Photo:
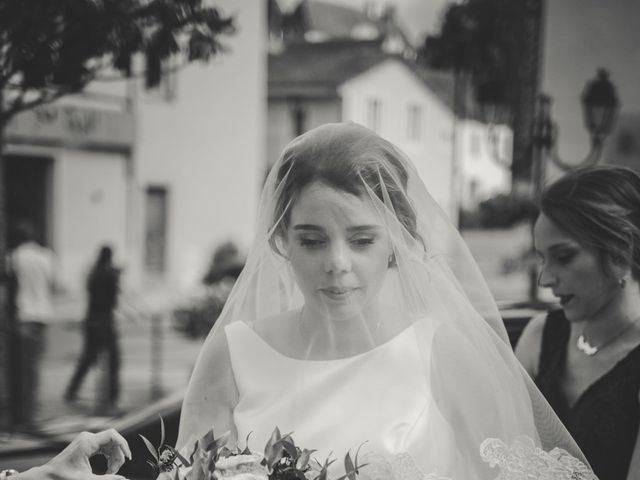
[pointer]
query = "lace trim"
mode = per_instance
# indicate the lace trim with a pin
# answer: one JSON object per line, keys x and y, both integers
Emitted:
{"x": 521, "y": 460}
{"x": 524, "y": 460}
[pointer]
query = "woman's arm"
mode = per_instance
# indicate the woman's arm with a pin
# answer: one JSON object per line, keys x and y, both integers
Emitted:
{"x": 211, "y": 395}
{"x": 634, "y": 465}
{"x": 530, "y": 344}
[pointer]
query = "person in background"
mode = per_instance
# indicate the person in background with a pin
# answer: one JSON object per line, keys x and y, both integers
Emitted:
{"x": 33, "y": 268}
{"x": 585, "y": 356}
{"x": 73, "y": 462}
{"x": 100, "y": 334}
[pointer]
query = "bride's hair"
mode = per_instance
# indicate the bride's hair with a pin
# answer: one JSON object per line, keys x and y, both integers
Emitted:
{"x": 347, "y": 161}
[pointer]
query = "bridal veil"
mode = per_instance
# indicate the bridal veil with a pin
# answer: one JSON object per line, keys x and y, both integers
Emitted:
{"x": 432, "y": 289}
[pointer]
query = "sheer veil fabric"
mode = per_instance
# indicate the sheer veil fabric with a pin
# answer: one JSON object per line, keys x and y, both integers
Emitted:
{"x": 428, "y": 320}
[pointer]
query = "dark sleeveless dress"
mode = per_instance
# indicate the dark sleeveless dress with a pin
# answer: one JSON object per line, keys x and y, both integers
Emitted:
{"x": 604, "y": 419}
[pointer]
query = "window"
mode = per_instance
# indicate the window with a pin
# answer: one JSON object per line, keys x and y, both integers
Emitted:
{"x": 414, "y": 123}
{"x": 474, "y": 145}
{"x": 155, "y": 245}
{"x": 374, "y": 114}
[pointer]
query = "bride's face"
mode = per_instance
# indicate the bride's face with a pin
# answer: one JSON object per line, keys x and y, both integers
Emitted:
{"x": 339, "y": 251}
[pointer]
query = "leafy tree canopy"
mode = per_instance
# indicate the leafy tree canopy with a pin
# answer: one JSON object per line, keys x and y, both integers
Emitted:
{"x": 484, "y": 39}
{"x": 50, "y": 48}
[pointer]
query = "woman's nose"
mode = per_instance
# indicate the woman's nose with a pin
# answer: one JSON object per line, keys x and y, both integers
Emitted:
{"x": 546, "y": 278}
{"x": 337, "y": 259}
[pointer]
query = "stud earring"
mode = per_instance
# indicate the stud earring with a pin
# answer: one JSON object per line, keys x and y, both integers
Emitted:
{"x": 622, "y": 282}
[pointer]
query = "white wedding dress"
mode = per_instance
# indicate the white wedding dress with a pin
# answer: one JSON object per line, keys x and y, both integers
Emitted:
{"x": 335, "y": 406}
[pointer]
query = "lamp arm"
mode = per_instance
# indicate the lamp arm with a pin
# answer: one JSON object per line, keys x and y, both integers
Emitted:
{"x": 494, "y": 137}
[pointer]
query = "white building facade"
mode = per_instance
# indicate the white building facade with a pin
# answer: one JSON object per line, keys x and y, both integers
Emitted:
{"x": 164, "y": 176}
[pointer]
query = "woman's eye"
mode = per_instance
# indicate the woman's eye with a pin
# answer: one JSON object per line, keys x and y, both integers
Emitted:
{"x": 311, "y": 242}
{"x": 564, "y": 258}
{"x": 363, "y": 241}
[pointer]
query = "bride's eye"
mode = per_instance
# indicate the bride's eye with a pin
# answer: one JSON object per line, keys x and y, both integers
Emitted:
{"x": 311, "y": 242}
{"x": 363, "y": 241}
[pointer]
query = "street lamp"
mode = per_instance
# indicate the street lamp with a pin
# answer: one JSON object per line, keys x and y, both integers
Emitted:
{"x": 600, "y": 108}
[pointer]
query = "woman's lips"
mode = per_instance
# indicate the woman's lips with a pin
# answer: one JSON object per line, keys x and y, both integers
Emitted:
{"x": 564, "y": 299}
{"x": 337, "y": 293}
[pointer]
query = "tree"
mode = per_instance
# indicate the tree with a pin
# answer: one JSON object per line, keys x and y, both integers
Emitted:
{"x": 480, "y": 38}
{"x": 53, "y": 48}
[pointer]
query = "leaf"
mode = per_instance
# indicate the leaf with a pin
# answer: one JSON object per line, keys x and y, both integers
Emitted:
{"x": 195, "y": 449}
{"x": 356, "y": 457}
{"x": 153, "y": 465}
{"x": 150, "y": 447}
{"x": 349, "y": 468}
{"x": 162, "y": 432}
{"x": 290, "y": 448}
{"x": 303, "y": 459}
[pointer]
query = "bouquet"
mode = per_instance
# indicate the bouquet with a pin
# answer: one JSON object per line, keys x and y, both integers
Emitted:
{"x": 211, "y": 459}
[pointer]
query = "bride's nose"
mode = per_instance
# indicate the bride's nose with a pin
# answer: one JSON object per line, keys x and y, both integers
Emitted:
{"x": 337, "y": 259}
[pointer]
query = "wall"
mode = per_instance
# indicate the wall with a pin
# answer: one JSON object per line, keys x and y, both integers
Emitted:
{"x": 280, "y": 123}
{"x": 89, "y": 210}
{"x": 397, "y": 87}
{"x": 206, "y": 145}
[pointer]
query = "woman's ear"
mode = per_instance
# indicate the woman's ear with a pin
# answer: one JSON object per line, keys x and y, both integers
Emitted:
{"x": 618, "y": 268}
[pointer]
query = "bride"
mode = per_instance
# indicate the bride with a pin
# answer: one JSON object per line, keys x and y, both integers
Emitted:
{"x": 361, "y": 318}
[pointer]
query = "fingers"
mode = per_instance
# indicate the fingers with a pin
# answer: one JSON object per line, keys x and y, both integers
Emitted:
{"x": 114, "y": 447}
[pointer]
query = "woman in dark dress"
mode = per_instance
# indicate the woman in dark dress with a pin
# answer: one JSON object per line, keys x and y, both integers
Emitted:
{"x": 585, "y": 356}
{"x": 100, "y": 331}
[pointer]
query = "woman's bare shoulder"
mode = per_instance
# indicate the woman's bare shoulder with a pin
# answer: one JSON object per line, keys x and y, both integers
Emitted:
{"x": 530, "y": 343}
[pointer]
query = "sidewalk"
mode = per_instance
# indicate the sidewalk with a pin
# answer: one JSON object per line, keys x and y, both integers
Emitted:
{"x": 156, "y": 361}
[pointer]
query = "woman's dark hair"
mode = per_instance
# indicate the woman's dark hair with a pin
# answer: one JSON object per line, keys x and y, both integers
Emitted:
{"x": 344, "y": 157}
{"x": 599, "y": 207}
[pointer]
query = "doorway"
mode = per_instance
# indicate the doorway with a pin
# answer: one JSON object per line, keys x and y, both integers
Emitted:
{"x": 28, "y": 193}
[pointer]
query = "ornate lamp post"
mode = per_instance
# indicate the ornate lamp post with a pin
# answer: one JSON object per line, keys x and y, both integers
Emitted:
{"x": 600, "y": 107}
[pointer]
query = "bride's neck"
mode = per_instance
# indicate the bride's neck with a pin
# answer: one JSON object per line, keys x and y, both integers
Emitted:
{"x": 342, "y": 336}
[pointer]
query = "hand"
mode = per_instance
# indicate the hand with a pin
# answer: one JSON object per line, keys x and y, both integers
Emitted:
{"x": 73, "y": 462}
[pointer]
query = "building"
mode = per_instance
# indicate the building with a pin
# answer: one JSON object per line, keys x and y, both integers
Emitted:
{"x": 152, "y": 172}
{"x": 329, "y": 62}
{"x": 315, "y": 83}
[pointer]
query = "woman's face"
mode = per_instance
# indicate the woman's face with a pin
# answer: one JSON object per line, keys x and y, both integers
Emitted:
{"x": 339, "y": 251}
{"x": 573, "y": 272}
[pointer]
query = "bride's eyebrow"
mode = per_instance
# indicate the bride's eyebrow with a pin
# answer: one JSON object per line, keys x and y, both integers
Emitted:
{"x": 364, "y": 228}
{"x": 308, "y": 226}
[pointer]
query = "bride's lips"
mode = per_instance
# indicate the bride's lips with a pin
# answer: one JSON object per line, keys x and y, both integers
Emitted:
{"x": 337, "y": 293}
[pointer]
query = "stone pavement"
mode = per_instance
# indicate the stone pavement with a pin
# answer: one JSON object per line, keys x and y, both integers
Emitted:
{"x": 156, "y": 361}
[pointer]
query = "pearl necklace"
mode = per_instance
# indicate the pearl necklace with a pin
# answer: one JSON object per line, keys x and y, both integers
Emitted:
{"x": 590, "y": 350}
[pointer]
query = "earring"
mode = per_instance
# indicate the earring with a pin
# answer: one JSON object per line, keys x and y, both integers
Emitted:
{"x": 392, "y": 260}
{"x": 622, "y": 282}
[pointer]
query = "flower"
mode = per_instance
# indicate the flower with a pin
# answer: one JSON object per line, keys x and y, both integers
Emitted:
{"x": 211, "y": 459}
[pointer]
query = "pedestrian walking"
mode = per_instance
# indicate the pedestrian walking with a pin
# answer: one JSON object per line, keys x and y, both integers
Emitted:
{"x": 100, "y": 333}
